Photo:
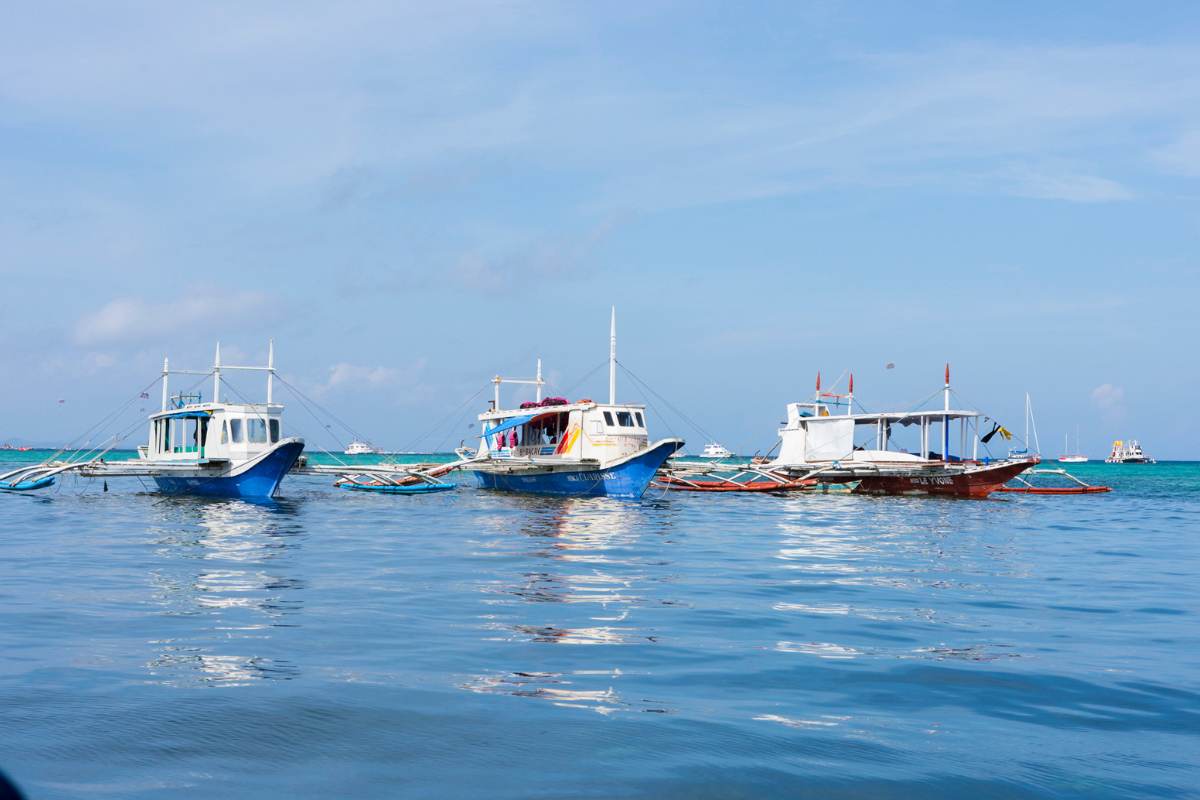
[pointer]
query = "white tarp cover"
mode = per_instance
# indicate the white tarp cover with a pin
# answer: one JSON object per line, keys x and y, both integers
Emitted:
{"x": 829, "y": 439}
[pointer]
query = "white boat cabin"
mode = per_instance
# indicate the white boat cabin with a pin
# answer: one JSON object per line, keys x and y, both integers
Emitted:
{"x": 559, "y": 430}
{"x": 193, "y": 430}
{"x": 825, "y": 430}
{"x": 189, "y": 430}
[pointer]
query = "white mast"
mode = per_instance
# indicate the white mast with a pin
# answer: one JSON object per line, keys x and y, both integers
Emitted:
{"x": 217, "y": 375}
{"x": 945, "y": 418}
{"x": 538, "y": 382}
{"x": 166, "y": 380}
{"x": 612, "y": 359}
{"x": 270, "y": 368}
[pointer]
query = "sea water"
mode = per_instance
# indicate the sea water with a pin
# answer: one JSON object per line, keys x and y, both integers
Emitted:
{"x": 475, "y": 644}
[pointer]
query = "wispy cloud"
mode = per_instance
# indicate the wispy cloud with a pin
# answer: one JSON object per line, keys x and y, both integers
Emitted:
{"x": 1109, "y": 398}
{"x": 347, "y": 376}
{"x": 136, "y": 319}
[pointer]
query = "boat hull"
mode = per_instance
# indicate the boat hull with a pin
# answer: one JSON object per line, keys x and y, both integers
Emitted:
{"x": 974, "y": 483}
{"x": 256, "y": 481}
{"x": 626, "y": 479}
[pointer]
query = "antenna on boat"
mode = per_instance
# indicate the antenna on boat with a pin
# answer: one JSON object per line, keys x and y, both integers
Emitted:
{"x": 817, "y": 396}
{"x": 166, "y": 380}
{"x": 270, "y": 368}
{"x": 612, "y": 359}
{"x": 850, "y": 397}
{"x": 217, "y": 375}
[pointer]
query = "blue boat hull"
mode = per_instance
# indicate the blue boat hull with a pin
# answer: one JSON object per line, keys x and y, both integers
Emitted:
{"x": 258, "y": 482}
{"x": 627, "y": 479}
{"x": 27, "y": 486}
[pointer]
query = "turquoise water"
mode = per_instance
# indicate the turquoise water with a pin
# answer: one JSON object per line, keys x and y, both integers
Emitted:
{"x": 469, "y": 644}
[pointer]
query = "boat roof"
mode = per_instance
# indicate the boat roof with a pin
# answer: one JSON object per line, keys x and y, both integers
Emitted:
{"x": 193, "y": 410}
{"x": 900, "y": 417}
{"x": 537, "y": 411}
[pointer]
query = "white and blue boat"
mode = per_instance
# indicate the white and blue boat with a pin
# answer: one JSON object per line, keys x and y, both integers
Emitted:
{"x": 577, "y": 449}
{"x": 194, "y": 447}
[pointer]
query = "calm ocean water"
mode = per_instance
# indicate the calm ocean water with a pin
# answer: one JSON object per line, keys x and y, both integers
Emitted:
{"x": 469, "y": 644}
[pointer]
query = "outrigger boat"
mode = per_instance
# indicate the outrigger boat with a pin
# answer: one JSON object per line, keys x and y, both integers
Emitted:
{"x": 213, "y": 449}
{"x": 817, "y": 449}
{"x": 554, "y": 447}
{"x": 816, "y": 442}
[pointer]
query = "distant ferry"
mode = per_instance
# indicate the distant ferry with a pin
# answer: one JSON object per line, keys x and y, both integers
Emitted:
{"x": 360, "y": 448}
{"x": 715, "y": 450}
{"x": 1128, "y": 453}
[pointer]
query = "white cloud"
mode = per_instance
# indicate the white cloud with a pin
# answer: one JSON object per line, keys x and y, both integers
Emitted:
{"x": 345, "y": 375}
{"x": 1182, "y": 156}
{"x": 127, "y": 319}
{"x": 1109, "y": 398}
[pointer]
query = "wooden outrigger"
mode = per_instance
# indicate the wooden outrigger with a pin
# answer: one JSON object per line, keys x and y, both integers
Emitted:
{"x": 1027, "y": 487}
{"x": 388, "y": 478}
{"x": 705, "y": 477}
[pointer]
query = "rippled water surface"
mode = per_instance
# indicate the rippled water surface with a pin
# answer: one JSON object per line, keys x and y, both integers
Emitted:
{"x": 471, "y": 644}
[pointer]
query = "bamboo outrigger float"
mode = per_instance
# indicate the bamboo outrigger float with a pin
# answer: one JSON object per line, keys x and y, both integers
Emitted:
{"x": 1025, "y": 486}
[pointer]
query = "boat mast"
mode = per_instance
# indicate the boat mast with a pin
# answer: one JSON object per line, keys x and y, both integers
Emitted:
{"x": 166, "y": 380}
{"x": 850, "y": 397}
{"x": 946, "y": 417}
{"x": 538, "y": 382}
{"x": 612, "y": 359}
{"x": 217, "y": 375}
{"x": 270, "y": 368}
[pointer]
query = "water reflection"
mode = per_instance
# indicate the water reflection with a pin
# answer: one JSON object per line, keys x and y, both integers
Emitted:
{"x": 915, "y": 568}
{"x": 225, "y": 576}
{"x": 560, "y": 689}
{"x": 580, "y": 575}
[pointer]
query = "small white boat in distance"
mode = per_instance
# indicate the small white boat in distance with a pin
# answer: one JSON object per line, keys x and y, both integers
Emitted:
{"x": 715, "y": 450}
{"x": 360, "y": 448}
{"x": 1069, "y": 457}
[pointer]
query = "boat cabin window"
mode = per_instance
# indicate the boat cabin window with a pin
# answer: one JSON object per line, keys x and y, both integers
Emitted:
{"x": 625, "y": 418}
{"x": 256, "y": 429}
{"x": 235, "y": 431}
{"x": 641, "y": 422}
{"x": 608, "y": 420}
{"x": 274, "y": 430}
{"x": 225, "y": 432}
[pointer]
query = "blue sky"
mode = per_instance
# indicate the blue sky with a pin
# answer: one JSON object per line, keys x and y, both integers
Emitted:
{"x": 410, "y": 199}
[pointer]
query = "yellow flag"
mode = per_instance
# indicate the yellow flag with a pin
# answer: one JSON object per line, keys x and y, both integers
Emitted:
{"x": 1005, "y": 432}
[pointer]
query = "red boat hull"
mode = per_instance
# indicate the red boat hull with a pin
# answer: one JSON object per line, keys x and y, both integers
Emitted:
{"x": 977, "y": 483}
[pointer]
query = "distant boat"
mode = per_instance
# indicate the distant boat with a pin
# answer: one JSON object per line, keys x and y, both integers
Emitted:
{"x": 715, "y": 450}
{"x": 1128, "y": 453}
{"x": 1072, "y": 458}
{"x": 360, "y": 448}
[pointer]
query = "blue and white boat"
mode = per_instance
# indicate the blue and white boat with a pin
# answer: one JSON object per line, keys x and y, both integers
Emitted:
{"x": 577, "y": 449}
{"x": 212, "y": 449}
{"x": 215, "y": 448}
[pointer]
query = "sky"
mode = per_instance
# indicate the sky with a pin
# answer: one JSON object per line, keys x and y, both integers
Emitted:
{"x": 411, "y": 198}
